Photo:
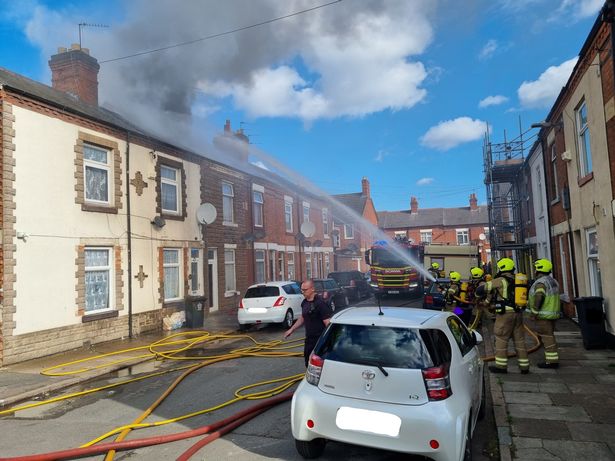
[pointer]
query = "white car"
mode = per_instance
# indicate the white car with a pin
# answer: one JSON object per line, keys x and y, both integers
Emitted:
{"x": 271, "y": 302}
{"x": 407, "y": 380}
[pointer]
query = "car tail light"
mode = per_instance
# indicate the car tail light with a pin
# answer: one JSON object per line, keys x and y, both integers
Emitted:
{"x": 241, "y": 304}
{"x": 279, "y": 302}
{"x": 428, "y": 299}
{"x": 312, "y": 375}
{"x": 437, "y": 382}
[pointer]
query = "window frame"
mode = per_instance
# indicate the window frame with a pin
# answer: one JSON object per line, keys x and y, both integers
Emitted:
{"x": 583, "y": 140}
{"x": 423, "y": 233}
{"x": 290, "y": 265}
{"x": 325, "y": 222}
{"x": 230, "y": 284}
{"x": 228, "y": 200}
{"x": 288, "y": 215}
{"x": 93, "y": 164}
{"x": 258, "y": 214}
{"x": 308, "y": 265}
{"x": 170, "y": 182}
{"x": 259, "y": 261}
{"x": 554, "y": 189}
{"x": 462, "y": 232}
{"x": 306, "y": 212}
{"x": 179, "y": 265}
{"x": 348, "y": 235}
{"x": 110, "y": 277}
{"x": 593, "y": 262}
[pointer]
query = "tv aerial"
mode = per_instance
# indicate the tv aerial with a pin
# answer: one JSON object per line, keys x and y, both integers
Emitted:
{"x": 86, "y": 24}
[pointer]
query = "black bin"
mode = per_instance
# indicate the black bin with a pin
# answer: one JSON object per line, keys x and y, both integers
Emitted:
{"x": 591, "y": 321}
{"x": 195, "y": 311}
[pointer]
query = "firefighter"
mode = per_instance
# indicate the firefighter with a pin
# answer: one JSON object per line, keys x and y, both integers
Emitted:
{"x": 544, "y": 306}
{"x": 509, "y": 317}
{"x": 456, "y": 298}
{"x": 434, "y": 270}
{"x": 477, "y": 278}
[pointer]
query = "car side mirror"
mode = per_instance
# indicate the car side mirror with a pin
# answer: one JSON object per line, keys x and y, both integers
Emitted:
{"x": 478, "y": 338}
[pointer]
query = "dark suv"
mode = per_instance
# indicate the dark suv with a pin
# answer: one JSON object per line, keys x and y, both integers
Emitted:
{"x": 354, "y": 283}
{"x": 331, "y": 292}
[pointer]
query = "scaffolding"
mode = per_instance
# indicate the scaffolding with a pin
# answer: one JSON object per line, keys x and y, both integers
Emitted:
{"x": 503, "y": 166}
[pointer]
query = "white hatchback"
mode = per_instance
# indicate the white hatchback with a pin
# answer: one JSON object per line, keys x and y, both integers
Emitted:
{"x": 271, "y": 302}
{"x": 407, "y": 380}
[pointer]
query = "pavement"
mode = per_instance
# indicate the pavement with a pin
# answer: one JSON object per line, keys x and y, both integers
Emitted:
{"x": 564, "y": 414}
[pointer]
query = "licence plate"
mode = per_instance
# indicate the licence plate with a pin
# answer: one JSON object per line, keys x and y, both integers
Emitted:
{"x": 257, "y": 310}
{"x": 375, "y": 422}
{"x": 394, "y": 292}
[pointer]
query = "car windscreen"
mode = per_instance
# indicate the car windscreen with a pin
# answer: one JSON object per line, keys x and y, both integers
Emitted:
{"x": 342, "y": 278}
{"x": 409, "y": 348}
{"x": 262, "y": 292}
{"x": 318, "y": 286}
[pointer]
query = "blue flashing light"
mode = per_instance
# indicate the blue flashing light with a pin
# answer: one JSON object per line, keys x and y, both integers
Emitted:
{"x": 381, "y": 242}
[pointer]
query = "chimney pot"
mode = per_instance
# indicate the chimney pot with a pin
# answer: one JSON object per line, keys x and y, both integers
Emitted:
{"x": 365, "y": 189}
{"x": 75, "y": 46}
{"x": 61, "y": 49}
{"x": 414, "y": 205}
{"x": 76, "y": 72}
{"x": 473, "y": 202}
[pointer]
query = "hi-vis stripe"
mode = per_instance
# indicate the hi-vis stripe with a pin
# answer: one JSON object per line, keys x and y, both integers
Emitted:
{"x": 551, "y": 356}
{"x": 501, "y": 362}
{"x": 524, "y": 363}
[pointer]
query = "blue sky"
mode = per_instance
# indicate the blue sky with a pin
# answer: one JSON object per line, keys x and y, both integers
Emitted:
{"x": 399, "y": 91}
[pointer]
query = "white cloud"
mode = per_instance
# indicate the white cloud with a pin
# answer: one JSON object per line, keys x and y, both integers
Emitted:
{"x": 492, "y": 101}
{"x": 488, "y": 50}
{"x": 542, "y": 93}
{"x": 381, "y": 155}
{"x": 424, "y": 181}
{"x": 260, "y": 164}
{"x": 451, "y": 133}
{"x": 577, "y": 9}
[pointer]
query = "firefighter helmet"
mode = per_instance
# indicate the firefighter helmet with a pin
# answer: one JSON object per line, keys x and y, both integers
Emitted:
{"x": 455, "y": 276}
{"x": 543, "y": 265}
{"x": 435, "y": 266}
{"x": 506, "y": 265}
{"x": 477, "y": 273}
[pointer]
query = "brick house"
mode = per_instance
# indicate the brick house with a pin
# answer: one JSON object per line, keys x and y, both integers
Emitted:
{"x": 99, "y": 229}
{"x": 441, "y": 226}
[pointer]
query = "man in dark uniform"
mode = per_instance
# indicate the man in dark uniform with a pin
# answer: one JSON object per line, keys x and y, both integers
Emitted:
{"x": 315, "y": 314}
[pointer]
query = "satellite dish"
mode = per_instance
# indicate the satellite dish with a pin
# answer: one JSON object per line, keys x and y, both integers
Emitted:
{"x": 206, "y": 213}
{"x": 482, "y": 237}
{"x": 159, "y": 221}
{"x": 308, "y": 228}
{"x": 248, "y": 237}
{"x": 299, "y": 236}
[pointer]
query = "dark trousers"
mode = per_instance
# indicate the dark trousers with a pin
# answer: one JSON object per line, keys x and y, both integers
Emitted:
{"x": 310, "y": 342}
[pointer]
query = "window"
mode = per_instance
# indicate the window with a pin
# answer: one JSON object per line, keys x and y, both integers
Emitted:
{"x": 593, "y": 262}
{"x": 230, "y": 285}
{"x": 259, "y": 259}
{"x": 348, "y": 231}
{"x": 96, "y": 172}
{"x": 280, "y": 265}
{"x": 583, "y": 139}
{"x": 336, "y": 239}
{"x": 327, "y": 264}
{"x": 169, "y": 187}
{"x": 401, "y": 234}
{"x": 257, "y": 207}
{"x": 196, "y": 271}
{"x": 291, "y": 266}
{"x": 97, "y": 279}
{"x": 462, "y": 237}
{"x": 228, "y": 207}
{"x": 554, "y": 187}
{"x": 171, "y": 267}
{"x": 308, "y": 265}
{"x": 325, "y": 222}
{"x": 271, "y": 265}
{"x": 306, "y": 211}
{"x": 288, "y": 215}
{"x": 426, "y": 236}
{"x": 462, "y": 336}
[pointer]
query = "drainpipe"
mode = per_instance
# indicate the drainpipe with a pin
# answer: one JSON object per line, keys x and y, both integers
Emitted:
{"x": 128, "y": 227}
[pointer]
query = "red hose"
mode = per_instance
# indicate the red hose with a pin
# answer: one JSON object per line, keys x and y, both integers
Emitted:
{"x": 157, "y": 440}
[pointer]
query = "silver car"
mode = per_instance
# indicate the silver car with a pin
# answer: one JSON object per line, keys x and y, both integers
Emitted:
{"x": 407, "y": 380}
{"x": 271, "y": 302}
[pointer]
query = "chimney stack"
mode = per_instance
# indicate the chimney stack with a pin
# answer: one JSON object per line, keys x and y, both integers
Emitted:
{"x": 74, "y": 71}
{"x": 414, "y": 205}
{"x": 365, "y": 187}
{"x": 234, "y": 144}
{"x": 473, "y": 202}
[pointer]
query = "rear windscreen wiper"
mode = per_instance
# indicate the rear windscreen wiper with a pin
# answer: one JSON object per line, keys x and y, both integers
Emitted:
{"x": 380, "y": 367}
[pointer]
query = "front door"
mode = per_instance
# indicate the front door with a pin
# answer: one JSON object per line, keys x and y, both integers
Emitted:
{"x": 212, "y": 273}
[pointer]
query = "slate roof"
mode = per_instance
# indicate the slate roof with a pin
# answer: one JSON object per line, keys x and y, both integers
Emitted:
{"x": 433, "y": 217}
{"x": 356, "y": 202}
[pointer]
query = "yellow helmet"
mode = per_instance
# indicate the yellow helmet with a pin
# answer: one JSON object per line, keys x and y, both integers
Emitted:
{"x": 477, "y": 273}
{"x": 435, "y": 266}
{"x": 455, "y": 276}
{"x": 506, "y": 265}
{"x": 543, "y": 265}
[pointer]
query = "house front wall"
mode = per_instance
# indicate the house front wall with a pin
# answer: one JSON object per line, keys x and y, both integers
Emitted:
{"x": 591, "y": 195}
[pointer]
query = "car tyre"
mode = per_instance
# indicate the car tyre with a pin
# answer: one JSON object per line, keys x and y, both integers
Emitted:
{"x": 467, "y": 451}
{"x": 483, "y": 402}
{"x": 288, "y": 319}
{"x": 310, "y": 449}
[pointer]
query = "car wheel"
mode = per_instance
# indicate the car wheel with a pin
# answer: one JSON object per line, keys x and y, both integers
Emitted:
{"x": 483, "y": 402}
{"x": 310, "y": 449}
{"x": 288, "y": 319}
{"x": 467, "y": 452}
{"x": 332, "y": 305}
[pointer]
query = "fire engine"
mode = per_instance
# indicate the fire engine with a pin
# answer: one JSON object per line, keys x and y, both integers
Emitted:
{"x": 393, "y": 266}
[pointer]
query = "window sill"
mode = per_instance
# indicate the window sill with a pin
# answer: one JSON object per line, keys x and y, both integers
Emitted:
{"x": 230, "y": 224}
{"x": 99, "y": 316}
{"x": 585, "y": 179}
{"x": 173, "y": 303}
{"x": 98, "y": 208}
{"x": 230, "y": 294}
{"x": 173, "y": 217}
